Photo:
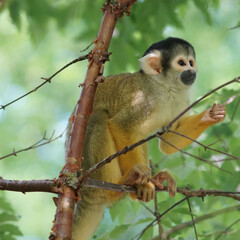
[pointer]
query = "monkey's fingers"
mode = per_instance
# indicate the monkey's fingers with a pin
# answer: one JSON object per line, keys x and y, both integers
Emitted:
{"x": 162, "y": 176}
{"x": 146, "y": 192}
{"x": 214, "y": 114}
{"x": 139, "y": 174}
{"x": 172, "y": 187}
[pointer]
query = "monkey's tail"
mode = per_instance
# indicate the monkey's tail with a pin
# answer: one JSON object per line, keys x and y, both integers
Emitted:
{"x": 88, "y": 214}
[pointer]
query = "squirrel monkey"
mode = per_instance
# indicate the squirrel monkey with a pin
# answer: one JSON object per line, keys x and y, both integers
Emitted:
{"x": 127, "y": 108}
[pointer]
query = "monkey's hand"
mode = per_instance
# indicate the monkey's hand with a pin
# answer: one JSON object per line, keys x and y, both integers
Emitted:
{"x": 145, "y": 192}
{"x": 139, "y": 175}
{"x": 216, "y": 113}
{"x": 163, "y": 175}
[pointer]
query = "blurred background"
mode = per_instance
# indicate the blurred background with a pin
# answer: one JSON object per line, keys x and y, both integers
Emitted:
{"x": 38, "y": 37}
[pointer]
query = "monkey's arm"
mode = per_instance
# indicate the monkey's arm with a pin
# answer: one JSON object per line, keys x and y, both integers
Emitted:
{"x": 192, "y": 127}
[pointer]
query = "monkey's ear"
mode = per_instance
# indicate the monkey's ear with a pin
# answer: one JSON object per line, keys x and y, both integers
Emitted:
{"x": 151, "y": 63}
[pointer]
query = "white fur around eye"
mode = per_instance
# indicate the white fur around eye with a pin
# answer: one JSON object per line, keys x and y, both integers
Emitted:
{"x": 150, "y": 63}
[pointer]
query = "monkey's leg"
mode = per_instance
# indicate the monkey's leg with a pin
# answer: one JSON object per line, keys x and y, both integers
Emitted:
{"x": 192, "y": 127}
{"x": 98, "y": 145}
{"x": 133, "y": 164}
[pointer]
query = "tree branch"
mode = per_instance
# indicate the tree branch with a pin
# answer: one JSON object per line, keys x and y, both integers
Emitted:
{"x": 39, "y": 143}
{"x": 93, "y": 183}
{"x": 54, "y": 186}
{"x": 205, "y": 146}
{"x": 47, "y": 80}
{"x": 47, "y": 185}
{"x": 62, "y": 228}
{"x": 194, "y": 156}
{"x": 193, "y": 221}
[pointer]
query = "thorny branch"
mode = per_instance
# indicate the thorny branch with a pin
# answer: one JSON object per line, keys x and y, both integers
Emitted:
{"x": 32, "y": 186}
{"x": 47, "y": 80}
{"x": 93, "y": 183}
{"x": 50, "y": 186}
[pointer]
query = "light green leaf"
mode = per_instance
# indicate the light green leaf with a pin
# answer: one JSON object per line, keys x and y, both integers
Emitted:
{"x": 118, "y": 231}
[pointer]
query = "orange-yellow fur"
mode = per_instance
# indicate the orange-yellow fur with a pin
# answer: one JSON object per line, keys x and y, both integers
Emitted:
{"x": 192, "y": 127}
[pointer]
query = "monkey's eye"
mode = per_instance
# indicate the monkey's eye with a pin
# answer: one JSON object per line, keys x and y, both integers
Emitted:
{"x": 191, "y": 63}
{"x": 181, "y": 63}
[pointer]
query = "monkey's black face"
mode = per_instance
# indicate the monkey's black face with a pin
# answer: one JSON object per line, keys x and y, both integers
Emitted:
{"x": 188, "y": 76}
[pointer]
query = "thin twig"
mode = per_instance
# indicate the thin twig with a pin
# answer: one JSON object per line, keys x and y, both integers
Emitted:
{"x": 194, "y": 156}
{"x": 93, "y": 183}
{"x": 47, "y": 80}
{"x": 235, "y": 109}
{"x": 158, "y": 218}
{"x": 39, "y": 143}
{"x": 203, "y": 97}
{"x": 139, "y": 235}
{"x": 200, "y": 219}
{"x": 173, "y": 206}
{"x": 205, "y": 146}
{"x": 86, "y": 48}
{"x": 193, "y": 222}
{"x": 145, "y": 206}
{"x": 226, "y": 229}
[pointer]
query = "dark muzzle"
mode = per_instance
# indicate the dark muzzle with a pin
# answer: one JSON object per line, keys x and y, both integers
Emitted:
{"x": 188, "y": 77}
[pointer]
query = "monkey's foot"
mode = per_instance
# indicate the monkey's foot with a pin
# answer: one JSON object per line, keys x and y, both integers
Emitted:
{"x": 138, "y": 175}
{"x": 145, "y": 192}
{"x": 214, "y": 114}
{"x": 163, "y": 175}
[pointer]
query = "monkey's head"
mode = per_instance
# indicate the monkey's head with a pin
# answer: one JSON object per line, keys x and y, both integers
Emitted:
{"x": 173, "y": 58}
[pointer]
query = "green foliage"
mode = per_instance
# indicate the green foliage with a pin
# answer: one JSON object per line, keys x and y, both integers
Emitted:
{"x": 118, "y": 231}
{"x": 147, "y": 22}
{"x": 8, "y": 229}
{"x": 59, "y": 29}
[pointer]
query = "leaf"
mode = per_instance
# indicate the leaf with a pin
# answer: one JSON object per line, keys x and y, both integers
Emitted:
{"x": 203, "y": 7}
{"x": 4, "y": 217}
{"x": 14, "y": 12}
{"x": 122, "y": 209}
{"x": 175, "y": 217}
{"x": 167, "y": 222}
{"x": 118, "y": 231}
{"x": 181, "y": 210}
{"x": 148, "y": 234}
{"x": 9, "y": 228}
{"x": 144, "y": 220}
{"x": 6, "y": 206}
{"x": 102, "y": 237}
{"x": 164, "y": 205}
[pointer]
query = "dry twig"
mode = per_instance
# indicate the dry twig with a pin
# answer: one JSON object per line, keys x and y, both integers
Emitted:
{"x": 39, "y": 143}
{"x": 47, "y": 80}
